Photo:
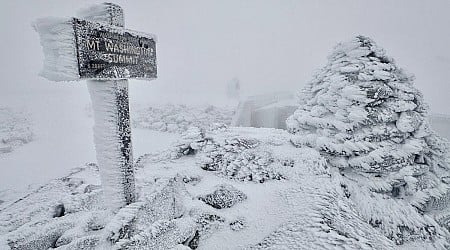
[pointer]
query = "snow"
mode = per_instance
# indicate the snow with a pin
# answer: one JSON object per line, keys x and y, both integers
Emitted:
{"x": 177, "y": 118}
{"x": 307, "y": 209}
{"x": 107, "y": 13}
{"x": 58, "y": 42}
{"x": 16, "y": 129}
{"x": 441, "y": 124}
{"x": 30, "y": 165}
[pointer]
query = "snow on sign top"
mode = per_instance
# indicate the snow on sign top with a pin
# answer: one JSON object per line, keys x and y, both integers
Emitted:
{"x": 77, "y": 49}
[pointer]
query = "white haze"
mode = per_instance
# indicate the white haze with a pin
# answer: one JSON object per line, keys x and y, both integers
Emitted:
{"x": 268, "y": 45}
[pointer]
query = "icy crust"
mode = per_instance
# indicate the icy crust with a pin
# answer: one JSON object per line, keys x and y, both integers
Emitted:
{"x": 177, "y": 118}
{"x": 111, "y": 15}
{"x": 401, "y": 220}
{"x": 15, "y": 129}
{"x": 363, "y": 114}
{"x": 107, "y": 13}
{"x": 323, "y": 220}
{"x": 57, "y": 38}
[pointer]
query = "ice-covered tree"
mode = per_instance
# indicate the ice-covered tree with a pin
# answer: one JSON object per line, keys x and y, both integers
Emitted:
{"x": 362, "y": 112}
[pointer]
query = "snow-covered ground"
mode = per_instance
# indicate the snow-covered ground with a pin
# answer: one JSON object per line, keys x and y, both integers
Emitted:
{"x": 177, "y": 118}
{"x": 441, "y": 124}
{"x": 35, "y": 158}
{"x": 272, "y": 196}
{"x": 15, "y": 129}
{"x": 48, "y": 150}
{"x": 291, "y": 213}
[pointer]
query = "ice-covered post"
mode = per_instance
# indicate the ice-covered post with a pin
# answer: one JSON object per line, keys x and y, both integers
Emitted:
{"x": 112, "y": 132}
{"x": 96, "y": 47}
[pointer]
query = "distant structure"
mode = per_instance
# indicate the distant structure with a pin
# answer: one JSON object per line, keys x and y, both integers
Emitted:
{"x": 233, "y": 89}
{"x": 265, "y": 111}
{"x": 272, "y": 110}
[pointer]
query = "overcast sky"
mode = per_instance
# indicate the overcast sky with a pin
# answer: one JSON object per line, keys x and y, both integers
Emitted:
{"x": 269, "y": 45}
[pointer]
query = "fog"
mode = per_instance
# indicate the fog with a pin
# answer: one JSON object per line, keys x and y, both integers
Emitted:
{"x": 268, "y": 45}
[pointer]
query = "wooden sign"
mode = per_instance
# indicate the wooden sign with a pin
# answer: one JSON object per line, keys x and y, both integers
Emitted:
{"x": 95, "y": 47}
{"x": 108, "y": 52}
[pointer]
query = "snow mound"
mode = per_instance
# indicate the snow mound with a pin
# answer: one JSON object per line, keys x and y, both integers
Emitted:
{"x": 190, "y": 142}
{"x": 363, "y": 114}
{"x": 15, "y": 129}
{"x": 177, "y": 118}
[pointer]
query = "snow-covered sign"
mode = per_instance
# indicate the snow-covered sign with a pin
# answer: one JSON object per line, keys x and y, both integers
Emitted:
{"x": 96, "y": 47}
{"x": 106, "y": 51}
{"x": 77, "y": 49}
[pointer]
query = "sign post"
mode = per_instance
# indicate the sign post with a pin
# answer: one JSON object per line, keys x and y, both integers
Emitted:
{"x": 97, "y": 48}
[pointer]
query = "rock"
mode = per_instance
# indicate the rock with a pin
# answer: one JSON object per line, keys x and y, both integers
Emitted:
{"x": 181, "y": 247}
{"x": 238, "y": 224}
{"x": 59, "y": 211}
{"x": 90, "y": 187}
{"x": 6, "y": 149}
{"x": 207, "y": 223}
{"x": 194, "y": 241}
{"x": 409, "y": 121}
{"x": 190, "y": 179}
{"x": 225, "y": 196}
{"x": 163, "y": 234}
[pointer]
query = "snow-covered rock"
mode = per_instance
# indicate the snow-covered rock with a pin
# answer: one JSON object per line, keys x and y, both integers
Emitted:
{"x": 363, "y": 114}
{"x": 224, "y": 196}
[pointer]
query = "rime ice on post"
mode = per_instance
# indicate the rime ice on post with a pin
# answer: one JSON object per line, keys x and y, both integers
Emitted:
{"x": 98, "y": 48}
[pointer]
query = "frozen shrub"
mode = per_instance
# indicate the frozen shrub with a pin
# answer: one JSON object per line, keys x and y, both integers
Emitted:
{"x": 245, "y": 159}
{"x": 224, "y": 196}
